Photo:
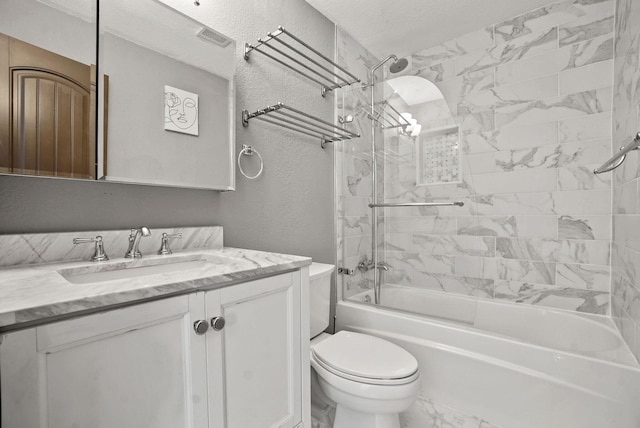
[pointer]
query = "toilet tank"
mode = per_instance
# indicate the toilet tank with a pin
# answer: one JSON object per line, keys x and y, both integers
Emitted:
{"x": 319, "y": 296}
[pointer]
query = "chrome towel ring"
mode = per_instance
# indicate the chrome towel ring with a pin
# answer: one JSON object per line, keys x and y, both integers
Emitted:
{"x": 249, "y": 151}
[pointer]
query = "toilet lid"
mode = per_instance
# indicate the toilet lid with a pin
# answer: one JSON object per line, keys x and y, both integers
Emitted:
{"x": 365, "y": 356}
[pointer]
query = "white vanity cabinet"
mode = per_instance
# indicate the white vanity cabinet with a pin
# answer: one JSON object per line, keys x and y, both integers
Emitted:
{"x": 145, "y": 365}
{"x": 131, "y": 367}
{"x": 257, "y": 360}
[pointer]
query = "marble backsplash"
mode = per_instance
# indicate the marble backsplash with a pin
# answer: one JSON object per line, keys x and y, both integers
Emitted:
{"x": 56, "y": 247}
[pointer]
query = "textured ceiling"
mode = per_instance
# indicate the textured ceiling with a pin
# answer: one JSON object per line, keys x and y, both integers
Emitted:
{"x": 408, "y": 26}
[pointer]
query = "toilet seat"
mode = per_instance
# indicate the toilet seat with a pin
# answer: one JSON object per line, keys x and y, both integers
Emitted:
{"x": 365, "y": 359}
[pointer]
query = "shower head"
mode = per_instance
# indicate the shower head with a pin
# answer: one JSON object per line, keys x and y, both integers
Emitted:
{"x": 381, "y": 63}
{"x": 398, "y": 65}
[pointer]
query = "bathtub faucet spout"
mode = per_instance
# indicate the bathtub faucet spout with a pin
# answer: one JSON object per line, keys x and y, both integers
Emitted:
{"x": 366, "y": 265}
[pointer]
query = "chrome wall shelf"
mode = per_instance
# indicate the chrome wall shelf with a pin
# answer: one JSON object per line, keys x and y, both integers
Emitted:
{"x": 296, "y": 120}
{"x": 306, "y": 60}
{"x": 617, "y": 159}
{"x": 388, "y": 120}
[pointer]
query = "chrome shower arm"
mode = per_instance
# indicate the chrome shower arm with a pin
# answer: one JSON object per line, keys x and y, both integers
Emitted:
{"x": 377, "y": 66}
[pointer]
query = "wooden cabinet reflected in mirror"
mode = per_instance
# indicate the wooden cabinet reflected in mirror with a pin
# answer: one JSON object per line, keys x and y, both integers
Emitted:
{"x": 50, "y": 102}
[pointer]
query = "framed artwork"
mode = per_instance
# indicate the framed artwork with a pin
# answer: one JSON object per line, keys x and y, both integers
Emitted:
{"x": 180, "y": 111}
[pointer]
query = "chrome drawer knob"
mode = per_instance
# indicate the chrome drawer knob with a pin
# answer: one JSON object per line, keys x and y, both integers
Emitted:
{"x": 217, "y": 323}
{"x": 200, "y": 327}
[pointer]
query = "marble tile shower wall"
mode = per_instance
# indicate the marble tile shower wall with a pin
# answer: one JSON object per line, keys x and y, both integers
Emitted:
{"x": 626, "y": 179}
{"x": 533, "y": 99}
{"x": 353, "y": 169}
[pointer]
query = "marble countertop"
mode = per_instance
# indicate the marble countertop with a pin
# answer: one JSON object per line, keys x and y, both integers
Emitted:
{"x": 39, "y": 293}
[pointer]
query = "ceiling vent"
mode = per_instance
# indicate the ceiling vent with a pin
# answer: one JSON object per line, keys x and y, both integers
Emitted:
{"x": 208, "y": 35}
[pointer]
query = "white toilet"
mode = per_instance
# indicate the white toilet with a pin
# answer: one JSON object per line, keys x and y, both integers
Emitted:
{"x": 368, "y": 379}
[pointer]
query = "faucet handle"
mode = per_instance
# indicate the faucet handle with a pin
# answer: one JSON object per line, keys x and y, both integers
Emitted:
{"x": 99, "y": 255}
{"x": 164, "y": 246}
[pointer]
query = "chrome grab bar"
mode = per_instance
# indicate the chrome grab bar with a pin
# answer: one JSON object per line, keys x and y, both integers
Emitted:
{"x": 617, "y": 159}
{"x": 418, "y": 204}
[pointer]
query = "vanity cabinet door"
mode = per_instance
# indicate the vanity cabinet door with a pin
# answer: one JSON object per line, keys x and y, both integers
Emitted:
{"x": 141, "y": 366}
{"x": 256, "y": 360}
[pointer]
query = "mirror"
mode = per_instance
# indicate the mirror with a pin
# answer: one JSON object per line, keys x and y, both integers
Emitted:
{"x": 433, "y": 136}
{"x": 47, "y": 89}
{"x": 165, "y": 98}
{"x": 170, "y": 115}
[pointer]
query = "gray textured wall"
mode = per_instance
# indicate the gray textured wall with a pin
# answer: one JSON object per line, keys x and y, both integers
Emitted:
{"x": 289, "y": 209}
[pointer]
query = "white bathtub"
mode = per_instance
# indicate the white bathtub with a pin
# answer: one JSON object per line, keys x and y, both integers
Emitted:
{"x": 508, "y": 364}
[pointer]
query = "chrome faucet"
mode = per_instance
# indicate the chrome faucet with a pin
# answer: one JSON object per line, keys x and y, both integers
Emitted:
{"x": 134, "y": 242}
{"x": 365, "y": 265}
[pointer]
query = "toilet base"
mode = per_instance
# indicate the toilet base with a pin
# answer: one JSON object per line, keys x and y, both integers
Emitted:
{"x": 348, "y": 418}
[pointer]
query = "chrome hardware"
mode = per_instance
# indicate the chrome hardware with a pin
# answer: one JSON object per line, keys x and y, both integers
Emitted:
{"x": 99, "y": 255}
{"x": 293, "y": 53}
{"x": 418, "y": 204}
{"x": 200, "y": 327}
{"x": 217, "y": 323}
{"x": 250, "y": 151}
{"x": 134, "y": 242}
{"x": 388, "y": 120}
{"x": 346, "y": 271}
{"x": 617, "y": 159}
{"x": 345, "y": 119}
{"x": 375, "y": 67}
{"x": 164, "y": 246}
{"x": 296, "y": 120}
{"x": 366, "y": 265}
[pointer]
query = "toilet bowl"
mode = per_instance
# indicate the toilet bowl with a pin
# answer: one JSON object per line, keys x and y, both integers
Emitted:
{"x": 369, "y": 379}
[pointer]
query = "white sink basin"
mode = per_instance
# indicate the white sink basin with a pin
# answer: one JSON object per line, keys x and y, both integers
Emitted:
{"x": 132, "y": 270}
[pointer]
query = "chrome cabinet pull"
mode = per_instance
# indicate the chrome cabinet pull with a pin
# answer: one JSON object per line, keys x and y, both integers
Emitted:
{"x": 200, "y": 327}
{"x": 217, "y": 323}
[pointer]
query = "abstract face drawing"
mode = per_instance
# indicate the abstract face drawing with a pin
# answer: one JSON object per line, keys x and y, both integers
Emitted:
{"x": 180, "y": 111}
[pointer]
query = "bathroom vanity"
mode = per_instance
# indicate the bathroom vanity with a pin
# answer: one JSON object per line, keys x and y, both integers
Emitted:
{"x": 213, "y": 337}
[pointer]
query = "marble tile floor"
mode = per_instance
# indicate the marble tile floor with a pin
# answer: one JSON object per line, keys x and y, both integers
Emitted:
{"x": 425, "y": 413}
